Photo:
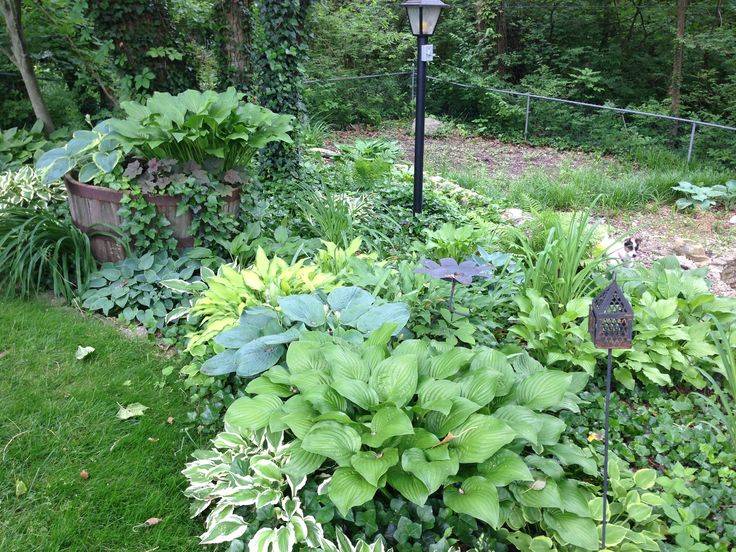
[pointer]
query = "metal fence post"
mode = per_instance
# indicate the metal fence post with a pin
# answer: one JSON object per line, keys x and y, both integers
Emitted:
{"x": 692, "y": 143}
{"x": 526, "y": 119}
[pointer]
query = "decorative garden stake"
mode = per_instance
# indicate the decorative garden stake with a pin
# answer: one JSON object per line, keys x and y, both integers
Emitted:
{"x": 611, "y": 325}
{"x": 423, "y": 17}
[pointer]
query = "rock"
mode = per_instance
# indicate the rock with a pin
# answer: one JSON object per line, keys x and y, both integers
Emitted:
{"x": 728, "y": 274}
{"x": 686, "y": 263}
{"x": 432, "y": 126}
{"x": 732, "y": 220}
{"x": 693, "y": 251}
{"x": 515, "y": 216}
{"x": 325, "y": 152}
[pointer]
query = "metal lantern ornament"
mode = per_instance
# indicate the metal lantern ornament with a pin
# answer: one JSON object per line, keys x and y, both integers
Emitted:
{"x": 423, "y": 17}
{"x": 611, "y": 326}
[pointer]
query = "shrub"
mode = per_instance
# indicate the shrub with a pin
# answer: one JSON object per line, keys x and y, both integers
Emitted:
{"x": 19, "y": 146}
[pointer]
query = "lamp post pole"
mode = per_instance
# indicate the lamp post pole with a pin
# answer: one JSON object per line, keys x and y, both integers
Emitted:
{"x": 419, "y": 127}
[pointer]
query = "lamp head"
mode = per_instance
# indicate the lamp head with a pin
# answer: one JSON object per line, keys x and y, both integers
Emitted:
{"x": 423, "y": 15}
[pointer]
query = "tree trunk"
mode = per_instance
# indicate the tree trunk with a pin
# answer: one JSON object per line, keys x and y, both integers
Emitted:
{"x": 20, "y": 58}
{"x": 502, "y": 37}
{"x": 235, "y": 40}
{"x": 676, "y": 83}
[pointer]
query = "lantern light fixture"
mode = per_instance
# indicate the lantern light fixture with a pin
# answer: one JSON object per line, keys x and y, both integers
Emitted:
{"x": 423, "y": 15}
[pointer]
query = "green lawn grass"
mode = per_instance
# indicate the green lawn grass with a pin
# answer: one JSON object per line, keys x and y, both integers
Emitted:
{"x": 58, "y": 417}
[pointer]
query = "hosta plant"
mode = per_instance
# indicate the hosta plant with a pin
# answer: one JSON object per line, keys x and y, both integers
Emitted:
{"x": 705, "y": 197}
{"x": 258, "y": 341}
{"x": 249, "y": 498}
{"x": 19, "y": 146}
{"x": 467, "y": 425}
{"x": 226, "y": 294}
{"x": 561, "y": 340}
{"x": 25, "y": 188}
{"x": 197, "y": 126}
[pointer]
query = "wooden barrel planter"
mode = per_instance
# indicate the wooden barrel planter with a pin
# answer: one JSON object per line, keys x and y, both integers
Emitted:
{"x": 94, "y": 210}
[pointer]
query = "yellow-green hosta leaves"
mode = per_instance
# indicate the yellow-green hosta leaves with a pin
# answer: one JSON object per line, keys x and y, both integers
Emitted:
{"x": 476, "y": 497}
{"x": 461, "y": 409}
{"x": 542, "y": 493}
{"x": 395, "y": 379}
{"x": 251, "y": 414}
{"x": 333, "y": 440}
{"x": 479, "y": 438}
{"x": 388, "y": 422}
{"x": 301, "y": 462}
{"x": 438, "y": 394}
{"x": 373, "y": 465}
{"x": 544, "y": 389}
{"x": 348, "y": 488}
{"x": 449, "y": 363}
{"x": 357, "y": 392}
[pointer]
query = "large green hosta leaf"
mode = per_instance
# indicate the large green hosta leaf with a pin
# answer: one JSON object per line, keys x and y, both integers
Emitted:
{"x": 539, "y": 494}
{"x": 461, "y": 410}
{"x": 347, "y": 488}
{"x": 357, "y": 392}
{"x": 346, "y": 364}
{"x": 349, "y": 303}
{"x": 480, "y": 437}
{"x": 388, "y": 422}
{"x": 480, "y": 386}
{"x": 251, "y": 414}
{"x": 373, "y": 465}
{"x": 543, "y": 390}
{"x": 476, "y": 497}
{"x": 505, "y": 467}
{"x": 433, "y": 473}
{"x": 522, "y": 420}
{"x": 301, "y": 462}
{"x": 573, "y": 529}
{"x": 409, "y": 486}
{"x": 437, "y": 395}
{"x": 395, "y": 379}
{"x": 332, "y": 439}
{"x": 449, "y": 363}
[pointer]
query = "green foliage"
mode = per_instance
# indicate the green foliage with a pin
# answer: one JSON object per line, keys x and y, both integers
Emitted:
{"x": 330, "y": 217}
{"x": 705, "y": 197}
{"x": 230, "y": 291}
{"x": 24, "y": 188}
{"x": 94, "y": 153}
{"x": 370, "y": 160}
{"x": 406, "y": 420}
{"x": 19, "y": 146}
{"x": 197, "y": 126}
{"x": 454, "y": 243}
{"x": 256, "y": 499}
{"x": 39, "y": 251}
{"x": 132, "y": 291}
{"x": 243, "y": 247}
{"x": 260, "y": 339}
{"x": 556, "y": 340}
{"x": 281, "y": 51}
{"x": 566, "y": 268}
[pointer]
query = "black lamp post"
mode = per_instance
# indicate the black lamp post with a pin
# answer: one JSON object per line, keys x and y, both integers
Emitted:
{"x": 611, "y": 326}
{"x": 423, "y": 17}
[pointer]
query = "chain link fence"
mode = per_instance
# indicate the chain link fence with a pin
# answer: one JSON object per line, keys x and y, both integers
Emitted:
{"x": 518, "y": 115}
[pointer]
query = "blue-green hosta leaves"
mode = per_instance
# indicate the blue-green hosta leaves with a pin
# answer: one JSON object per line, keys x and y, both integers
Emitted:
{"x": 348, "y": 488}
{"x": 480, "y": 437}
{"x": 304, "y": 308}
{"x": 395, "y": 379}
{"x": 350, "y": 303}
{"x": 251, "y": 414}
{"x": 333, "y": 440}
{"x": 388, "y": 422}
{"x": 476, "y": 497}
{"x": 373, "y": 465}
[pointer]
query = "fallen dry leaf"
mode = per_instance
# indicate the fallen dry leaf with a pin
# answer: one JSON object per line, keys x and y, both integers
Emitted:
{"x": 150, "y": 522}
{"x": 83, "y": 352}
{"x": 84, "y": 474}
{"x": 153, "y": 439}
{"x": 3, "y": 353}
{"x": 131, "y": 411}
{"x": 170, "y": 420}
{"x": 594, "y": 437}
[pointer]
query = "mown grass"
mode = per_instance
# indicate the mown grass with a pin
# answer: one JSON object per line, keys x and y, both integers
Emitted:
{"x": 58, "y": 417}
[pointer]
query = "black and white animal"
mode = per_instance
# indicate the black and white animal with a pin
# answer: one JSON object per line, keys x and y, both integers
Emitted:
{"x": 621, "y": 251}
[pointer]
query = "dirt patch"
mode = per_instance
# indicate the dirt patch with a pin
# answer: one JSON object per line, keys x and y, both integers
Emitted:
{"x": 497, "y": 158}
{"x": 659, "y": 230}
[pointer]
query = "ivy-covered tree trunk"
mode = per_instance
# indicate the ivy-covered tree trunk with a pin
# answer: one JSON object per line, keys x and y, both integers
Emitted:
{"x": 679, "y": 56}
{"x": 283, "y": 25}
{"x": 235, "y": 35}
{"x": 142, "y": 31}
{"x": 18, "y": 54}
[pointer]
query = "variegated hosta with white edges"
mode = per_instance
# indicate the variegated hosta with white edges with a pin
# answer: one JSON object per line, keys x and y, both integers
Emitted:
{"x": 243, "y": 476}
{"x": 471, "y": 426}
